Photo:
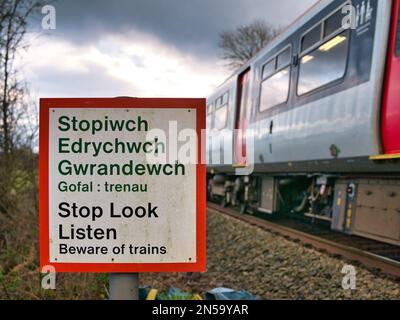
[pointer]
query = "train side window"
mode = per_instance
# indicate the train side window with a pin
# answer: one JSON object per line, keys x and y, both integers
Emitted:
{"x": 275, "y": 89}
{"x": 276, "y": 80}
{"x": 284, "y": 58}
{"x": 311, "y": 38}
{"x": 334, "y": 23}
{"x": 218, "y": 102}
{"x": 209, "y": 116}
{"x": 324, "y": 65}
{"x": 225, "y": 98}
{"x": 210, "y": 108}
{"x": 269, "y": 68}
{"x": 221, "y": 112}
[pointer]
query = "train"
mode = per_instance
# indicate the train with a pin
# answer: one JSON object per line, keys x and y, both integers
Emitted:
{"x": 315, "y": 117}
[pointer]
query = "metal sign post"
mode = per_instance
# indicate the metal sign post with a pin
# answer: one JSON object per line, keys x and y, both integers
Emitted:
{"x": 124, "y": 286}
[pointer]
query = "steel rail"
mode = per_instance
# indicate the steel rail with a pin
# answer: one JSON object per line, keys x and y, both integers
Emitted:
{"x": 368, "y": 259}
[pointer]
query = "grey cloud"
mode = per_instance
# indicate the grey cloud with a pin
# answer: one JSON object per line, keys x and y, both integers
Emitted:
{"x": 189, "y": 25}
{"x": 192, "y": 26}
{"x": 95, "y": 82}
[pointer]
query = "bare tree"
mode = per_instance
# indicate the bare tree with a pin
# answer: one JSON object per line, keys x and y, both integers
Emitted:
{"x": 240, "y": 45}
{"x": 14, "y": 16}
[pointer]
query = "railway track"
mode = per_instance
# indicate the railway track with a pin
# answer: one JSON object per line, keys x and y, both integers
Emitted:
{"x": 372, "y": 254}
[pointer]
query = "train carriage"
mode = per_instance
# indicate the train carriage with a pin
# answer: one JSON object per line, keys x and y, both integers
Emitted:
{"x": 316, "y": 117}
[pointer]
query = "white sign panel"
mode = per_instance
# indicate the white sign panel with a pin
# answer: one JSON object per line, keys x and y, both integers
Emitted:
{"x": 122, "y": 186}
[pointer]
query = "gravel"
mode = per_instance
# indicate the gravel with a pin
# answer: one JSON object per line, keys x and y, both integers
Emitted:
{"x": 240, "y": 256}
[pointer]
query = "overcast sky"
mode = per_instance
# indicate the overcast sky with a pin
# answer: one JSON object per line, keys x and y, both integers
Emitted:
{"x": 105, "y": 48}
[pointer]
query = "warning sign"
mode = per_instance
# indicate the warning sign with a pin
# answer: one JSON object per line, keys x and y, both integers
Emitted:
{"x": 122, "y": 185}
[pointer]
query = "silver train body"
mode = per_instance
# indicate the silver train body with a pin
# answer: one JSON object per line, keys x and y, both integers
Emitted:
{"x": 311, "y": 103}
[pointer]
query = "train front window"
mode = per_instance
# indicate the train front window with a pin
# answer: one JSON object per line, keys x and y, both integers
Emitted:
{"x": 324, "y": 65}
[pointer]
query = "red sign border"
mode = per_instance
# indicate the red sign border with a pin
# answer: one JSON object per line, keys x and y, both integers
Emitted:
{"x": 121, "y": 103}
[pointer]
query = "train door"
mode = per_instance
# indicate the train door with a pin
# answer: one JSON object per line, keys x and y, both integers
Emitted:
{"x": 240, "y": 148}
{"x": 391, "y": 105}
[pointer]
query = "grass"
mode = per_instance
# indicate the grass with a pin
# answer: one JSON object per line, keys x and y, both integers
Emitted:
{"x": 20, "y": 277}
